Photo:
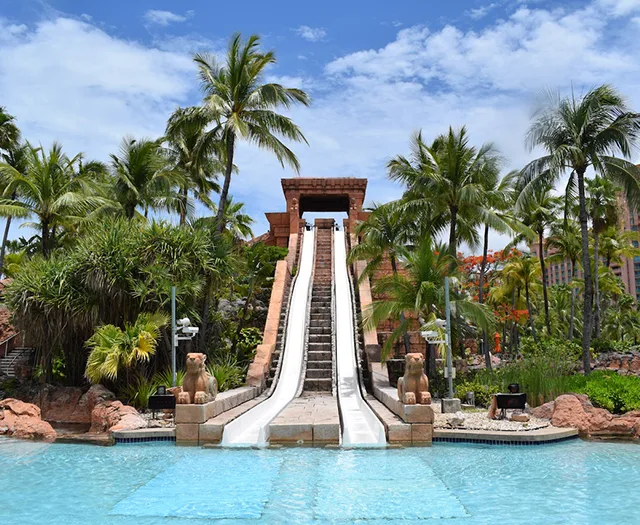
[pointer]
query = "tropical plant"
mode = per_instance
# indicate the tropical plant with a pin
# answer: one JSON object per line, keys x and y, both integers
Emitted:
{"x": 9, "y": 132}
{"x": 227, "y": 372}
{"x": 420, "y": 292}
{"x": 238, "y": 106}
{"x": 454, "y": 171}
{"x": 565, "y": 241}
{"x": 139, "y": 392}
{"x": 144, "y": 178}
{"x": 524, "y": 273}
{"x": 57, "y": 190}
{"x": 579, "y": 133}
{"x": 602, "y": 206}
{"x": 383, "y": 235}
{"x": 113, "y": 349}
{"x": 617, "y": 244}
{"x": 184, "y": 147}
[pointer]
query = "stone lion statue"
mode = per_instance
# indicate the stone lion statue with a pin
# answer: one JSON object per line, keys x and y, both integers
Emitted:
{"x": 414, "y": 386}
{"x": 198, "y": 386}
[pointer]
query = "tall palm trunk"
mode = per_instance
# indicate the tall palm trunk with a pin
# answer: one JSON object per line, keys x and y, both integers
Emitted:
{"x": 45, "y": 238}
{"x": 529, "y": 311}
{"x": 586, "y": 268}
{"x": 573, "y": 300}
{"x": 545, "y": 295}
{"x": 483, "y": 267}
{"x": 5, "y": 237}
{"x": 512, "y": 336}
{"x": 452, "y": 231}
{"x": 596, "y": 280}
{"x": 183, "y": 210}
{"x": 227, "y": 181}
{"x": 407, "y": 341}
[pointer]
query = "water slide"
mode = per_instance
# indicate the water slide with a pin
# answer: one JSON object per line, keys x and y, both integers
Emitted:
{"x": 252, "y": 428}
{"x": 360, "y": 426}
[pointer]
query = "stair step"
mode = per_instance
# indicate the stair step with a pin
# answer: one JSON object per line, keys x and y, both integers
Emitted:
{"x": 320, "y": 365}
{"x": 319, "y": 373}
{"x": 319, "y": 338}
{"x": 320, "y": 330}
{"x": 319, "y": 356}
{"x": 318, "y": 385}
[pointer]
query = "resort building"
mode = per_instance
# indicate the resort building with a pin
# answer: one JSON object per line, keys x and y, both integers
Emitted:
{"x": 628, "y": 271}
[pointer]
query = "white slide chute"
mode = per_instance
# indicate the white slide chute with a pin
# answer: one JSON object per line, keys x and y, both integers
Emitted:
{"x": 252, "y": 428}
{"x": 360, "y": 425}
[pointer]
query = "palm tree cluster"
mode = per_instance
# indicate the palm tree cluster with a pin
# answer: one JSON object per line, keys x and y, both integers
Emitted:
{"x": 454, "y": 189}
{"x": 105, "y": 253}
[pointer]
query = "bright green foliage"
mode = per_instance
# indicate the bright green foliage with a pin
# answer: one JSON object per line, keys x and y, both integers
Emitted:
{"x": 138, "y": 393}
{"x": 481, "y": 391}
{"x": 608, "y": 390}
{"x": 238, "y": 106}
{"x": 228, "y": 373}
{"x": 114, "y": 349}
{"x": 165, "y": 378}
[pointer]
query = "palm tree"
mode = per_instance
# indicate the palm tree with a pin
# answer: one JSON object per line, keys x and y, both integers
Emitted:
{"x": 497, "y": 194}
{"x": 420, "y": 291}
{"x": 143, "y": 177}
{"x": 524, "y": 272}
{"x": 112, "y": 349}
{"x": 199, "y": 167}
{"x": 538, "y": 210}
{"x": 602, "y": 205}
{"x": 453, "y": 171}
{"x": 9, "y": 132}
{"x": 578, "y": 134}
{"x": 9, "y": 144}
{"x": 616, "y": 245}
{"x": 383, "y": 235}
{"x": 565, "y": 241}
{"x": 237, "y": 106}
{"x": 52, "y": 187}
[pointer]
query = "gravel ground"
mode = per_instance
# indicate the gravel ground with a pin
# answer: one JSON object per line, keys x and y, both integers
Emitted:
{"x": 478, "y": 420}
{"x": 159, "y": 422}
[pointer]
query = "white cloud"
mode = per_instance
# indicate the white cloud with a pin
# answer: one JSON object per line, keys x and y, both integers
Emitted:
{"x": 68, "y": 80}
{"x": 482, "y": 11}
{"x": 164, "y": 18}
{"x": 313, "y": 34}
{"x": 621, "y": 7}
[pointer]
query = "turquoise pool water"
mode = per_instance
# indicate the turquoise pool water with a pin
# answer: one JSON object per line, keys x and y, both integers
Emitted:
{"x": 573, "y": 482}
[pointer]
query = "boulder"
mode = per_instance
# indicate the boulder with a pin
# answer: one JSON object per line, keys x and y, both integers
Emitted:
{"x": 113, "y": 415}
{"x": 543, "y": 411}
{"x": 573, "y": 410}
{"x": 22, "y": 420}
{"x": 70, "y": 404}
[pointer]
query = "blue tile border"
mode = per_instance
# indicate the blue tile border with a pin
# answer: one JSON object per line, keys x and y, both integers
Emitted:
{"x": 501, "y": 441}
{"x": 145, "y": 439}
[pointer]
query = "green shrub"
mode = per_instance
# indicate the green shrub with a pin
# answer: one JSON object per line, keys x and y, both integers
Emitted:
{"x": 166, "y": 377}
{"x": 608, "y": 390}
{"x": 481, "y": 391}
{"x": 603, "y": 345}
{"x": 138, "y": 393}
{"x": 228, "y": 374}
{"x": 248, "y": 341}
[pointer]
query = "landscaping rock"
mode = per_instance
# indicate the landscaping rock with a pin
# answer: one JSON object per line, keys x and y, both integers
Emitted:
{"x": 573, "y": 410}
{"x": 543, "y": 411}
{"x": 22, "y": 420}
{"x": 627, "y": 363}
{"x": 69, "y": 404}
{"x": 113, "y": 415}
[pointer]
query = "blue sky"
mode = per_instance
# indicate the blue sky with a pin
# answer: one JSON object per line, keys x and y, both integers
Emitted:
{"x": 87, "y": 73}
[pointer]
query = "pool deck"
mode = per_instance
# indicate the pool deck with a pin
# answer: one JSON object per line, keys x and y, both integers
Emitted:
{"x": 493, "y": 437}
{"x": 309, "y": 419}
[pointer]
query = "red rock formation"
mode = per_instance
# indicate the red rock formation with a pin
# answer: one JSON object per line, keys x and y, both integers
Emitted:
{"x": 109, "y": 416}
{"x": 575, "y": 410}
{"x": 22, "y": 420}
{"x": 70, "y": 404}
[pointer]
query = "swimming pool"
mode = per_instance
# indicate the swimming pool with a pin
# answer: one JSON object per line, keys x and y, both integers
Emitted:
{"x": 571, "y": 482}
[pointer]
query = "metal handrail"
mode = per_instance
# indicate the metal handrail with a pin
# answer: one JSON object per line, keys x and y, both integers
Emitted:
{"x": 6, "y": 342}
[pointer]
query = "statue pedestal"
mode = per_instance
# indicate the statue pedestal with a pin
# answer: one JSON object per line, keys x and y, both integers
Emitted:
{"x": 416, "y": 413}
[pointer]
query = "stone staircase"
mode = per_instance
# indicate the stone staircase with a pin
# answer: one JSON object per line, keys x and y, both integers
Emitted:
{"x": 14, "y": 357}
{"x": 319, "y": 373}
